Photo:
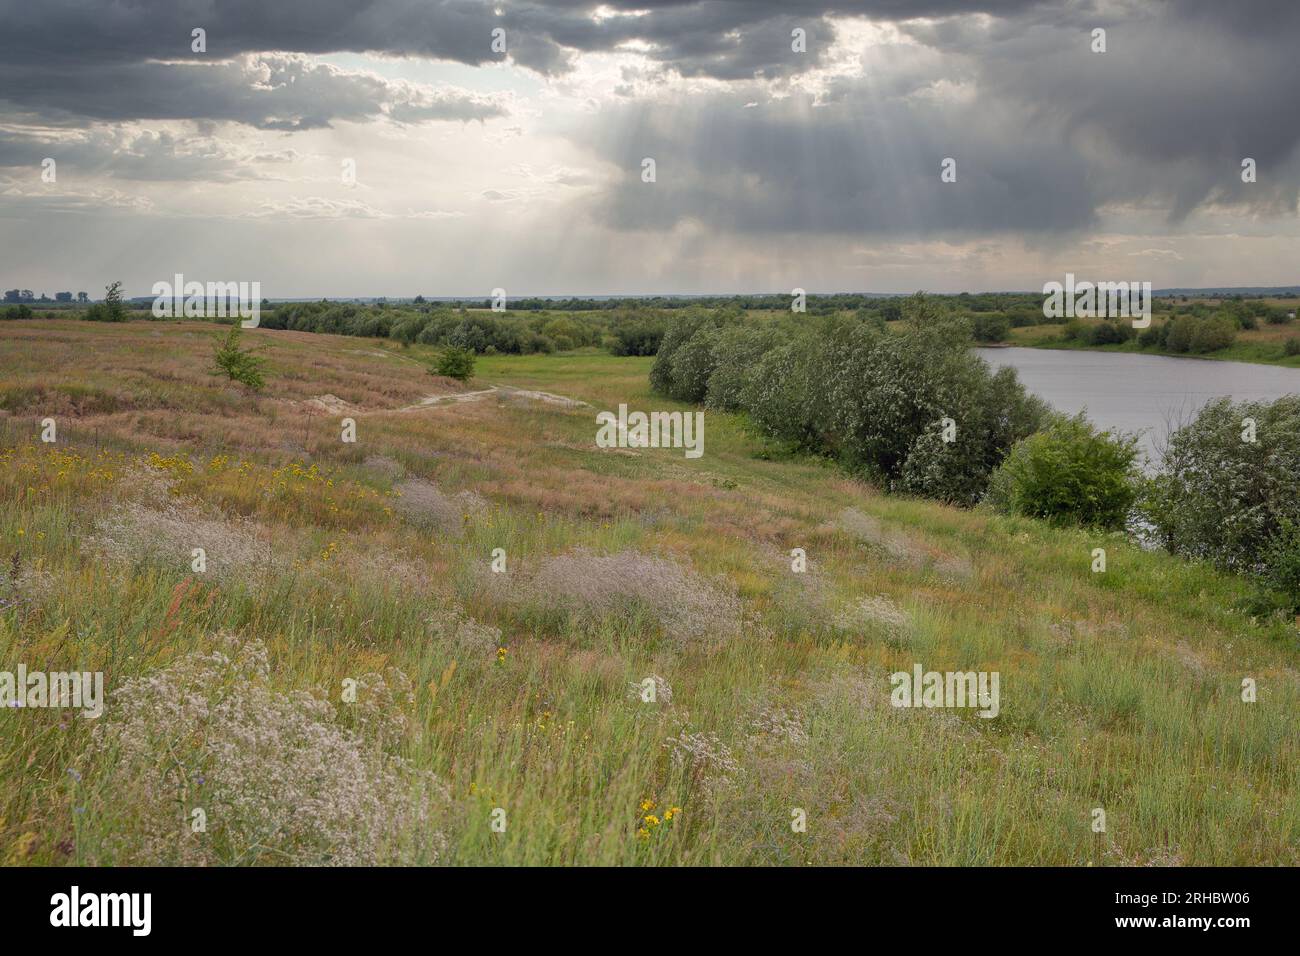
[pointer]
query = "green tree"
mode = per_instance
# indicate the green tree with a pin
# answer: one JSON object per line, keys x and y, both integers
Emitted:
{"x": 455, "y": 363}
{"x": 113, "y": 302}
{"x": 237, "y": 363}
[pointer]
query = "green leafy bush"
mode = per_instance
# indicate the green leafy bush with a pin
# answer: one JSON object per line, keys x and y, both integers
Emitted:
{"x": 1069, "y": 473}
{"x": 1212, "y": 334}
{"x": 1110, "y": 333}
{"x": 1223, "y": 498}
{"x": 1199, "y": 334}
{"x": 637, "y": 335}
{"x": 456, "y": 363}
{"x": 1178, "y": 333}
{"x": 989, "y": 326}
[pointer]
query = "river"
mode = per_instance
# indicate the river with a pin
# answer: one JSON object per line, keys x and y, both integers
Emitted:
{"x": 1149, "y": 394}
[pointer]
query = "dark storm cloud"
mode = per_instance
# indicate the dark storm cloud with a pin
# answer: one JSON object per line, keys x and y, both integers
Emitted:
{"x": 849, "y": 167}
{"x": 55, "y": 54}
{"x": 1168, "y": 113}
{"x": 1045, "y": 132}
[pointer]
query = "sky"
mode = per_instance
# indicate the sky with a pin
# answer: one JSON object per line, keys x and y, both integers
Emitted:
{"x": 795, "y": 145}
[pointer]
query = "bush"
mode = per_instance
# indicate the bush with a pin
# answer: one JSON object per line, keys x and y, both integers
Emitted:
{"x": 16, "y": 312}
{"x": 736, "y": 351}
{"x": 637, "y": 336}
{"x": 1210, "y": 335}
{"x": 1069, "y": 473}
{"x": 238, "y": 364}
{"x": 98, "y": 312}
{"x": 456, "y": 363}
{"x": 989, "y": 327}
{"x": 1291, "y": 346}
{"x": 1178, "y": 334}
{"x": 1019, "y": 318}
{"x": 1109, "y": 333}
{"x": 675, "y": 337}
{"x": 1076, "y": 331}
{"x": 1221, "y": 498}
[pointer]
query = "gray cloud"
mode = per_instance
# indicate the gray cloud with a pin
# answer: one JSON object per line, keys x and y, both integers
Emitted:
{"x": 1046, "y": 134}
{"x": 277, "y": 91}
{"x": 143, "y": 155}
{"x": 80, "y": 56}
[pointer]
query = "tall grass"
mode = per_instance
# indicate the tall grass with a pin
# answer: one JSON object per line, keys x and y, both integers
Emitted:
{"x": 1119, "y": 690}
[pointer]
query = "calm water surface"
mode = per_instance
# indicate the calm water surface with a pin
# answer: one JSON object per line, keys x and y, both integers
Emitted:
{"x": 1139, "y": 393}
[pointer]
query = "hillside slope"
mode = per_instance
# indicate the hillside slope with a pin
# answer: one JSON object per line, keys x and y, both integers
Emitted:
{"x": 499, "y": 716}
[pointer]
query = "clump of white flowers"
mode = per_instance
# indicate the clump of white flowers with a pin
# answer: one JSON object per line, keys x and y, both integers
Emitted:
{"x": 277, "y": 777}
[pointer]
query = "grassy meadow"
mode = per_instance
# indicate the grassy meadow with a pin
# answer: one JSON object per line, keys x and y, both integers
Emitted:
{"x": 501, "y": 717}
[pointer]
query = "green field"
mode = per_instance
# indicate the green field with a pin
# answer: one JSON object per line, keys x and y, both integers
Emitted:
{"x": 500, "y": 718}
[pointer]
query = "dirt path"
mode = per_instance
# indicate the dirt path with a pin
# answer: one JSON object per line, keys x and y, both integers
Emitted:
{"x": 506, "y": 391}
{"x": 334, "y": 405}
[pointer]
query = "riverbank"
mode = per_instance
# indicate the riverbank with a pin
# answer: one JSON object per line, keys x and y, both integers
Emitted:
{"x": 1263, "y": 346}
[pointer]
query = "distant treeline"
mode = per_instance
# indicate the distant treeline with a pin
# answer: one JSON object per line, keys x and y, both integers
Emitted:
{"x": 817, "y": 304}
{"x": 623, "y": 332}
{"x": 623, "y": 326}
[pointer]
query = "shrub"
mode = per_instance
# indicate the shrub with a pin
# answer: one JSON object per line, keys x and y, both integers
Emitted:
{"x": 1210, "y": 335}
{"x": 236, "y": 363}
{"x": 408, "y": 329}
{"x": 1109, "y": 333}
{"x": 1069, "y": 473}
{"x": 781, "y": 399}
{"x": 1075, "y": 331}
{"x": 989, "y": 326}
{"x": 696, "y": 362}
{"x": 456, "y": 363}
{"x": 1291, "y": 346}
{"x": 16, "y": 312}
{"x": 637, "y": 336}
{"x": 737, "y": 350}
{"x": 1279, "y": 583}
{"x": 1227, "y": 500}
{"x": 1178, "y": 334}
